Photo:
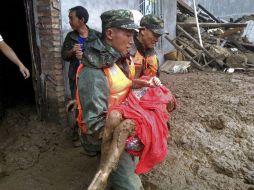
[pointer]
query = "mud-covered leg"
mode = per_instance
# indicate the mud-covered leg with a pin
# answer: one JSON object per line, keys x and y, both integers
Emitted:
{"x": 113, "y": 120}
{"x": 115, "y": 150}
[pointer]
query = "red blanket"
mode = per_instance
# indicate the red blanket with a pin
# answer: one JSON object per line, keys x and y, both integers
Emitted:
{"x": 150, "y": 116}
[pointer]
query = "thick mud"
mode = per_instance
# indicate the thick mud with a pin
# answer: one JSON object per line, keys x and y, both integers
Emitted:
{"x": 211, "y": 144}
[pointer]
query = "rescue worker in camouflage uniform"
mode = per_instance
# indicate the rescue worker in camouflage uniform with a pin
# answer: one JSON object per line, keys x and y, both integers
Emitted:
{"x": 73, "y": 48}
{"x": 105, "y": 76}
{"x": 143, "y": 52}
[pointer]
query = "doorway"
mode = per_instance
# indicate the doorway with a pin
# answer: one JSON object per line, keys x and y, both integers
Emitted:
{"x": 16, "y": 91}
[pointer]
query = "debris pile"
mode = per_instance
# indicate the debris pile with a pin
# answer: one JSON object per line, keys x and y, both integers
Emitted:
{"x": 221, "y": 45}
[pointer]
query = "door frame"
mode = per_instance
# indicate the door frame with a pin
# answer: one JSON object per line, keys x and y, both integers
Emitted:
{"x": 35, "y": 58}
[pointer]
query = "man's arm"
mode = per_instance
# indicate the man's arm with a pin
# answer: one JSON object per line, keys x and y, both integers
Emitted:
{"x": 93, "y": 93}
{"x": 10, "y": 54}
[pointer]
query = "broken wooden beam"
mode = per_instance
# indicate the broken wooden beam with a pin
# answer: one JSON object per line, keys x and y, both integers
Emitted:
{"x": 209, "y": 14}
{"x": 192, "y": 51}
{"x": 212, "y": 25}
{"x": 185, "y": 8}
{"x": 195, "y": 63}
{"x": 193, "y": 41}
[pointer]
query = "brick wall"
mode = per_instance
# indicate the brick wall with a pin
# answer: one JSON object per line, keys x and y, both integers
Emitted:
{"x": 49, "y": 27}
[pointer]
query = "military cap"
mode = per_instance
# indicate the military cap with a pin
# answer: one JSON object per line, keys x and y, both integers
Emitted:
{"x": 153, "y": 23}
{"x": 119, "y": 18}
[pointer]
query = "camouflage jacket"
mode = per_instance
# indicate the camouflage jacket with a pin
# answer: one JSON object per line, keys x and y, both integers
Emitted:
{"x": 70, "y": 40}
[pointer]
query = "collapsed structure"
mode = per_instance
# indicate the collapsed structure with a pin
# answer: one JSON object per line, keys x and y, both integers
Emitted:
{"x": 222, "y": 45}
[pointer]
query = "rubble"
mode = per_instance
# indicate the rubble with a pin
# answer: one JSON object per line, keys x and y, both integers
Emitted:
{"x": 237, "y": 60}
{"x": 250, "y": 57}
{"x": 218, "y": 52}
{"x": 223, "y": 45}
{"x": 175, "y": 66}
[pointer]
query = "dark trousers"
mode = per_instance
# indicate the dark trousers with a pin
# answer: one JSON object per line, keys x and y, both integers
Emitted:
{"x": 73, "y": 89}
{"x": 1, "y": 94}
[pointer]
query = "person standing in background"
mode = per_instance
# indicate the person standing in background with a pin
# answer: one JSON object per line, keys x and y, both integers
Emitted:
{"x": 72, "y": 51}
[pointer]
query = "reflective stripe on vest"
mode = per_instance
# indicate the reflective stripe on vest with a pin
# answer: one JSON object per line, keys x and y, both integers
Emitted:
{"x": 80, "y": 122}
{"x": 146, "y": 66}
{"x": 119, "y": 86}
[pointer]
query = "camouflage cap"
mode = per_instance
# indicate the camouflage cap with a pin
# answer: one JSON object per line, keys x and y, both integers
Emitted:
{"x": 119, "y": 18}
{"x": 153, "y": 23}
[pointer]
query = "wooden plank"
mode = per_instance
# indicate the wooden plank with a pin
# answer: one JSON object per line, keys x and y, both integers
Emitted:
{"x": 212, "y": 25}
{"x": 248, "y": 46}
{"x": 209, "y": 14}
{"x": 195, "y": 63}
{"x": 185, "y": 8}
{"x": 187, "y": 47}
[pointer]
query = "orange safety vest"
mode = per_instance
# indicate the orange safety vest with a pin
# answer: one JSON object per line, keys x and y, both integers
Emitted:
{"x": 119, "y": 86}
{"x": 147, "y": 65}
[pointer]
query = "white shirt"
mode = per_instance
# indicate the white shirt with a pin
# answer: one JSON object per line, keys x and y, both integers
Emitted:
{"x": 1, "y": 38}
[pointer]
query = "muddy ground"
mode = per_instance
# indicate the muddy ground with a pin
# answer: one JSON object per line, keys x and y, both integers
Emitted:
{"x": 211, "y": 144}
